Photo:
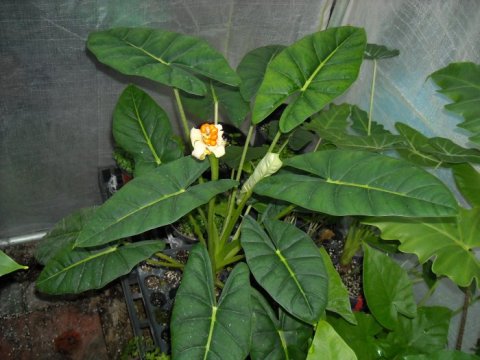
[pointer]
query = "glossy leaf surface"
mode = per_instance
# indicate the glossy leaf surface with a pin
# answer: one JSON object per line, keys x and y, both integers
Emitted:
{"x": 78, "y": 270}
{"x": 327, "y": 344}
{"x": 287, "y": 264}
{"x": 251, "y": 68}
{"x": 344, "y": 182}
{"x": 468, "y": 182}
{"x": 203, "y": 329}
{"x": 142, "y": 128}
{"x": 8, "y": 265}
{"x": 449, "y": 242}
{"x": 64, "y": 234}
{"x": 387, "y": 288}
{"x": 461, "y": 83}
{"x": 311, "y": 72}
{"x": 159, "y": 198}
{"x": 338, "y": 298}
{"x": 166, "y": 57}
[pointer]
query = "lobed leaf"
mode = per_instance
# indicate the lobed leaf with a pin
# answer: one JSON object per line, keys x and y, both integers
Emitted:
{"x": 166, "y": 57}
{"x": 449, "y": 242}
{"x": 461, "y": 83}
{"x": 77, "y": 270}
{"x": 287, "y": 264}
{"x": 203, "y": 329}
{"x": 311, "y": 73}
{"x": 344, "y": 182}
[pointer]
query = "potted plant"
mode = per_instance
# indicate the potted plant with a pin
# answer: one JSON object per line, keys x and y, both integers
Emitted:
{"x": 283, "y": 298}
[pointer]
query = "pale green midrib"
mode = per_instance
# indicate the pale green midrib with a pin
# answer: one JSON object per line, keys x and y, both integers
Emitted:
{"x": 367, "y": 187}
{"x": 210, "y": 332}
{"x": 148, "y": 53}
{"x": 292, "y": 275}
{"x": 284, "y": 343}
{"x": 90, "y": 258}
{"x": 144, "y": 132}
{"x": 321, "y": 65}
{"x": 135, "y": 211}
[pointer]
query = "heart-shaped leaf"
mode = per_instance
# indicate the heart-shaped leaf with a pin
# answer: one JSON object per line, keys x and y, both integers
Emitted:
{"x": 468, "y": 180}
{"x": 158, "y": 198}
{"x": 461, "y": 83}
{"x": 327, "y": 344}
{"x": 251, "y": 68}
{"x": 424, "y": 334}
{"x": 338, "y": 298}
{"x": 449, "y": 242}
{"x": 143, "y": 129}
{"x": 78, "y": 270}
{"x": 312, "y": 72}
{"x": 203, "y": 329}
{"x": 287, "y": 264}
{"x": 166, "y": 57}
{"x": 359, "y": 183}
{"x": 330, "y": 121}
{"x": 386, "y": 299}
{"x": 8, "y": 265}
{"x": 272, "y": 338}
{"x": 377, "y": 52}
{"x": 64, "y": 234}
{"x": 374, "y": 142}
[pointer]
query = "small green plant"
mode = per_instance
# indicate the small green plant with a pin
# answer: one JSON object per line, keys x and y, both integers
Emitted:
{"x": 321, "y": 158}
{"x": 139, "y": 347}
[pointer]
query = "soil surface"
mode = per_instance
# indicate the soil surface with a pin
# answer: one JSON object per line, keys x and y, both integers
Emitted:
{"x": 93, "y": 325}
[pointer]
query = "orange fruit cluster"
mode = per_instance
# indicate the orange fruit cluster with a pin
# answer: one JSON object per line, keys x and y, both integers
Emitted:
{"x": 209, "y": 134}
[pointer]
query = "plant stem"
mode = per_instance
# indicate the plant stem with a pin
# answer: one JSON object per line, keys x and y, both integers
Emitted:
{"x": 244, "y": 152}
{"x": 170, "y": 262}
{"x": 372, "y": 94}
{"x": 183, "y": 117}
{"x": 285, "y": 211}
{"x": 274, "y": 141}
{"x": 196, "y": 229}
{"x": 429, "y": 293}
{"x": 215, "y": 105}
{"x": 212, "y": 230}
{"x": 463, "y": 320}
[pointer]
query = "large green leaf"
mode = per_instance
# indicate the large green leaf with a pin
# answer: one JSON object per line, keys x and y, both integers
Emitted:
{"x": 327, "y": 344}
{"x": 272, "y": 338}
{"x": 158, "y": 198}
{"x": 310, "y": 73}
{"x": 143, "y": 129}
{"x": 338, "y": 298}
{"x": 360, "y": 122}
{"x": 449, "y": 152}
{"x": 287, "y": 264}
{"x": 227, "y": 98}
{"x": 417, "y": 149}
{"x": 374, "y": 142}
{"x": 449, "y": 242}
{"x": 64, "y": 234}
{"x": 461, "y": 83}
{"x": 386, "y": 299}
{"x": 78, "y": 270}
{"x": 346, "y": 182}
{"x": 8, "y": 265}
{"x": 251, "y": 68}
{"x": 468, "y": 182}
{"x": 169, "y": 58}
{"x": 361, "y": 337}
{"x": 424, "y": 334}
{"x": 203, "y": 329}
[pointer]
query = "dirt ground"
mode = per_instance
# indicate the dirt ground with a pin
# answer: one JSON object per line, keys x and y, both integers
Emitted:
{"x": 94, "y": 325}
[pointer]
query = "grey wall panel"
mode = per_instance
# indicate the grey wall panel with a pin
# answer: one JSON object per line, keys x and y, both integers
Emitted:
{"x": 56, "y": 101}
